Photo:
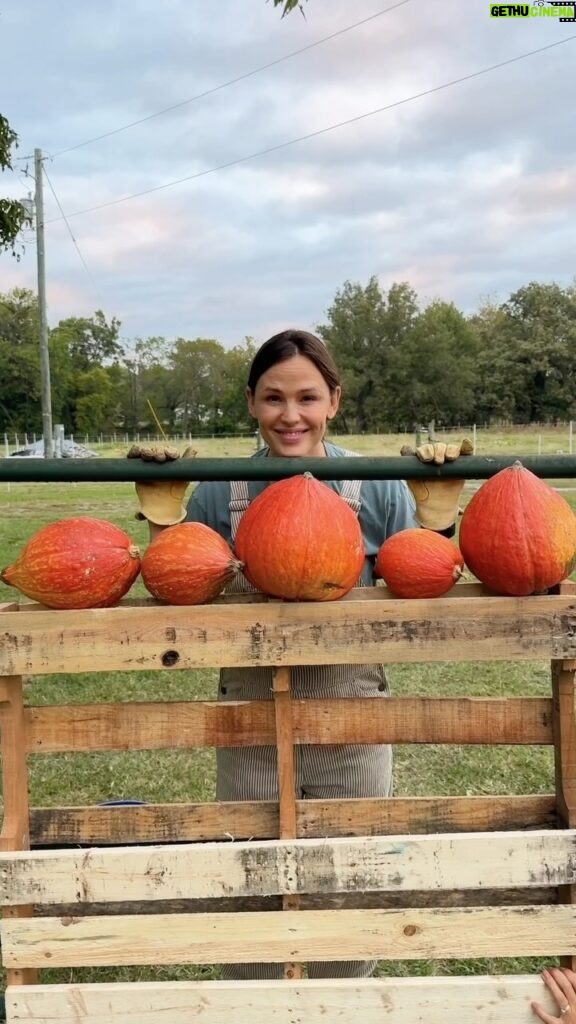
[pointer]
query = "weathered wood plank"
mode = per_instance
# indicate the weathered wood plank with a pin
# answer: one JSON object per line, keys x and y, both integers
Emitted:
{"x": 15, "y": 826}
{"x": 290, "y": 867}
{"x": 15, "y": 832}
{"x": 282, "y": 690}
{"x": 149, "y": 725}
{"x": 463, "y": 720}
{"x": 158, "y": 823}
{"x": 159, "y": 725}
{"x": 283, "y": 936}
{"x": 564, "y": 694}
{"x": 472, "y": 1000}
{"x": 312, "y": 901}
{"x": 163, "y": 823}
{"x": 423, "y": 814}
{"x": 373, "y": 628}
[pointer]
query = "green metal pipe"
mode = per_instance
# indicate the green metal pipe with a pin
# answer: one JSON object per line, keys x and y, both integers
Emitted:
{"x": 473, "y": 467}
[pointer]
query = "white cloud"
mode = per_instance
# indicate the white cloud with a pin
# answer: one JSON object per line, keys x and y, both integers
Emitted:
{"x": 464, "y": 192}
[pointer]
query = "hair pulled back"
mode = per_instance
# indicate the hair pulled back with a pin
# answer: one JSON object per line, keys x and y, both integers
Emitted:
{"x": 292, "y": 343}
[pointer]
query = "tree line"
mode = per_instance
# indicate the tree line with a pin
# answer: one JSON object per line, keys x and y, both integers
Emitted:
{"x": 514, "y": 361}
{"x": 401, "y": 365}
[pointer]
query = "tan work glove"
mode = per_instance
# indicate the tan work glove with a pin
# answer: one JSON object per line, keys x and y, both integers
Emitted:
{"x": 161, "y": 501}
{"x": 437, "y": 500}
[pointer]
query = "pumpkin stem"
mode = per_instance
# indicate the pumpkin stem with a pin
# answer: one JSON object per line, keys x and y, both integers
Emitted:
{"x": 517, "y": 465}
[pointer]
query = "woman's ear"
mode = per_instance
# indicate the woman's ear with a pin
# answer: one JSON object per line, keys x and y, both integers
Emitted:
{"x": 335, "y": 397}
{"x": 250, "y": 401}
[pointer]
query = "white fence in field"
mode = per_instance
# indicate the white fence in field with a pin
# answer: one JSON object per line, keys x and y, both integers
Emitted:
{"x": 536, "y": 438}
{"x": 22, "y": 443}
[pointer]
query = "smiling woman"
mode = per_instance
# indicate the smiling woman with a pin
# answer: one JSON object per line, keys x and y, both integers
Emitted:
{"x": 293, "y": 391}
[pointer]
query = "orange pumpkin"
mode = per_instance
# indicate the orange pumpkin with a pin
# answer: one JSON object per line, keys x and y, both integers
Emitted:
{"x": 518, "y": 535}
{"x": 419, "y": 563}
{"x": 188, "y": 564}
{"x": 75, "y": 563}
{"x": 300, "y": 541}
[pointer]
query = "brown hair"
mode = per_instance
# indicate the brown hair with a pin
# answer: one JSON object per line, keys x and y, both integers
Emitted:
{"x": 288, "y": 344}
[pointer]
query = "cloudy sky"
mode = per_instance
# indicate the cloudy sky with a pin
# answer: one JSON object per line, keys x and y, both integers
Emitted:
{"x": 184, "y": 227}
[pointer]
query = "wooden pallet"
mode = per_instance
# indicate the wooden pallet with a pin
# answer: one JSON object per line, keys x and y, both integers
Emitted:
{"x": 288, "y": 881}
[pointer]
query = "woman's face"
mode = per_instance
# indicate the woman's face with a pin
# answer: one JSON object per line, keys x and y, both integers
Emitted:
{"x": 293, "y": 403}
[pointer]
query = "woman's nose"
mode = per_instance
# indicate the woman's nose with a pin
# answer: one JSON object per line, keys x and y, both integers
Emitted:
{"x": 290, "y": 413}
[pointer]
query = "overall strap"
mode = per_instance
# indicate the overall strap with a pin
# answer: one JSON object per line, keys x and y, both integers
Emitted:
{"x": 351, "y": 494}
{"x": 239, "y": 501}
{"x": 351, "y": 491}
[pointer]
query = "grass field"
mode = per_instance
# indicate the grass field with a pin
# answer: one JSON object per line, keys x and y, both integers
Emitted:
{"x": 181, "y": 776}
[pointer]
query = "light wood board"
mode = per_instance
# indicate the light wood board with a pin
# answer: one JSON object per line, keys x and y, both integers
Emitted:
{"x": 501, "y": 999}
{"x": 290, "y": 867}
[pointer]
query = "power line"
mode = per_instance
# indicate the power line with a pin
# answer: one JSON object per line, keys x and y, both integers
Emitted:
{"x": 319, "y": 131}
{"x": 70, "y": 232}
{"x": 231, "y": 81}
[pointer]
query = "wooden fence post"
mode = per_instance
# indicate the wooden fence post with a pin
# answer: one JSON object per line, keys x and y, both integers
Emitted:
{"x": 15, "y": 834}
{"x": 282, "y": 687}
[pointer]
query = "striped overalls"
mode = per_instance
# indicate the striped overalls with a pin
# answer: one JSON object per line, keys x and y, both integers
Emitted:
{"x": 322, "y": 772}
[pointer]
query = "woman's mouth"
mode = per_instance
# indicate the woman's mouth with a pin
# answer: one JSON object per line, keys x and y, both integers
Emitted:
{"x": 291, "y": 435}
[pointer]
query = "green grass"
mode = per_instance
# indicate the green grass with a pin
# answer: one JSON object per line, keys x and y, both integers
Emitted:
{"x": 181, "y": 776}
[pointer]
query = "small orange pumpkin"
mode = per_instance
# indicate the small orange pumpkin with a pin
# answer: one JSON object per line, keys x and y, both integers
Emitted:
{"x": 300, "y": 541}
{"x": 188, "y": 564}
{"x": 75, "y": 563}
{"x": 518, "y": 535}
{"x": 419, "y": 563}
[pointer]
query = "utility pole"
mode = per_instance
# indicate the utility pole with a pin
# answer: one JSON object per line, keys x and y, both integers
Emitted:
{"x": 44, "y": 354}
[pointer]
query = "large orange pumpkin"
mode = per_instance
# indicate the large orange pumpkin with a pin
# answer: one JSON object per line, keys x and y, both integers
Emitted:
{"x": 75, "y": 563}
{"x": 300, "y": 541}
{"x": 419, "y": 563}
{"x": 518, "y": 535}
{"x": 188, "y": 564}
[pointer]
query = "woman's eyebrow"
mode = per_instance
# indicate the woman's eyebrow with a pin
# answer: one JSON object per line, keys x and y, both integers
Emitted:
{"x": 312, "y": 388}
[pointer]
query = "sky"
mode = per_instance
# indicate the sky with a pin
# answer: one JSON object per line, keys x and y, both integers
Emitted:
{"x": 181, "y": 226}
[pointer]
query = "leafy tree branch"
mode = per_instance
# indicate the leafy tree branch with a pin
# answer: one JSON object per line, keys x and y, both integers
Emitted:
{"x": 288, "y": 5}
{"x": 13, "y": 215}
